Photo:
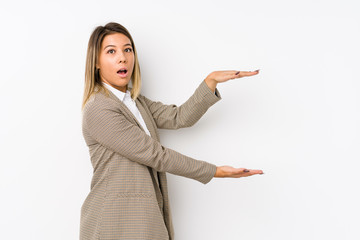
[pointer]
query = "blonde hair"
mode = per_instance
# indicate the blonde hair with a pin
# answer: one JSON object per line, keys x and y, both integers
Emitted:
{"x": 93, "y": 83}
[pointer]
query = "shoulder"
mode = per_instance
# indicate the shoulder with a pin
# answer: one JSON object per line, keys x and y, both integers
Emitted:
{"x": 98, "y": 101}
{"x": 141, "y": 98}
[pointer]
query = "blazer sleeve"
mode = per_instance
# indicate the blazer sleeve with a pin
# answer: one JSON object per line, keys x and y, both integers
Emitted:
{"x": 109, "y": 127}
{"x": 174, "y": 117}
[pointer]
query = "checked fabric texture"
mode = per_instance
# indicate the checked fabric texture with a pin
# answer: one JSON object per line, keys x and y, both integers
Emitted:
{"x": 128, "y": 196}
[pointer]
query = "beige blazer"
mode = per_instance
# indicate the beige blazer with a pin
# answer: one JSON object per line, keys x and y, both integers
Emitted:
{"x": 129, "y": 195}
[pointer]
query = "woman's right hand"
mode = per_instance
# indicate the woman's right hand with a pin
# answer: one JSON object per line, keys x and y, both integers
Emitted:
{"x": 230, "y": 172}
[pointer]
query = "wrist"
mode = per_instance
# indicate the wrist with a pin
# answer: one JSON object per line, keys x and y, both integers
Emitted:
{"x": 219, "y": 172}
{"x": 211, "y": 83}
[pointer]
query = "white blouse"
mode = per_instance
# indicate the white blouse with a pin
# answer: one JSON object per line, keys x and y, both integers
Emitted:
{"x": 130, "y": 104}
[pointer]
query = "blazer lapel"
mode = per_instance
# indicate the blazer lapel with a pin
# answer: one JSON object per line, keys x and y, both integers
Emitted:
{"x": 152, "y": 131}
{"x": 125, "y": 109}
{"x": 145, "y": 116}
{"x": 147, "y": 119}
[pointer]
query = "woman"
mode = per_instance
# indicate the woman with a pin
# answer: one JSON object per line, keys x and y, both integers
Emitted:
{"x": 129, "y": 195}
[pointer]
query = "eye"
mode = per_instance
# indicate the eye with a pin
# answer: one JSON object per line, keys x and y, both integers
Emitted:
{"x": 130, "y": 49}
{"x": 111, "y": 51}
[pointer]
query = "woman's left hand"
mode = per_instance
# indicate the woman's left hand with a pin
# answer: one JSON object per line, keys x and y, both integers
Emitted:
{"x": 222, "y": 76}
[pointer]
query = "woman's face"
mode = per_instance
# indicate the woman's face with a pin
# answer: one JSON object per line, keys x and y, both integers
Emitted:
{"x": 116, "y": 53}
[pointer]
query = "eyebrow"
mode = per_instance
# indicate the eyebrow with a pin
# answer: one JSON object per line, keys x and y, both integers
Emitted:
{"x": 128, "y": 44}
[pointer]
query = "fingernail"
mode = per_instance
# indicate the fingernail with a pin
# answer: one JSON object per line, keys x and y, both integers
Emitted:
{"x": 237, "y": 73}
{"x": 257, "y": 70}
{"x": 245, "y": 170}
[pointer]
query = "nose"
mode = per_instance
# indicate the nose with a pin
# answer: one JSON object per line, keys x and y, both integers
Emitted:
{"x": 121, "y": 57}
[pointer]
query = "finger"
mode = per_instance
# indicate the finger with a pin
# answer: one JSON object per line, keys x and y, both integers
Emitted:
{"x": 248, "y": 172}
{"x": 239, "y": 170}
{"x": 246, "y": 73}
{"x": 256, "y": 171}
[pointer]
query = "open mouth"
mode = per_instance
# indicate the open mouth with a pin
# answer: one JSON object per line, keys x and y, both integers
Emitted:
{"x": 122, "y": 71}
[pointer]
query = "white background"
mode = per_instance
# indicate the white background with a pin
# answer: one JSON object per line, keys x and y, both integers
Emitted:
{"x": 297, "y": 120}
